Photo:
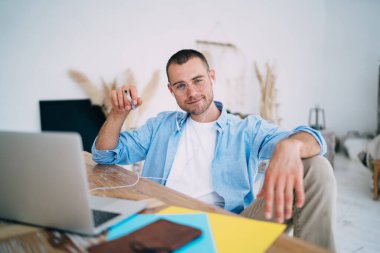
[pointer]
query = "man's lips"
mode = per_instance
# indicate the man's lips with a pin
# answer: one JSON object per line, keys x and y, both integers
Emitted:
{"x": 194, "y": 101}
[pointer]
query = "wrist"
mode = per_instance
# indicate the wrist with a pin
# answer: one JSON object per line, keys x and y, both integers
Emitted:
{"x": 116, "y": 116}
{"x": 293, "y": 144}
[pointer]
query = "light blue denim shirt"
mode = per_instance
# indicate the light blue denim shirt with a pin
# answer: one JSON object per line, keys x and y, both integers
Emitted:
{"x": 240, "y": 146}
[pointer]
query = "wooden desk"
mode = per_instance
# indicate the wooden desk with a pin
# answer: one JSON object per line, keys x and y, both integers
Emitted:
{"x": 20, "y": 238}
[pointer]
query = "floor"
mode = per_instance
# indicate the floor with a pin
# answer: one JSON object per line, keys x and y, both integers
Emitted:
{"x": 358, "y": 215}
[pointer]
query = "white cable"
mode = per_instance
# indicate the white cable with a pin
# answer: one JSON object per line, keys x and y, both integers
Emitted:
{"x": 138, "y": 175}
{"x": 176, "y": 119}
{"x": 123, "y": 186}
{"x": 155, "y": 178}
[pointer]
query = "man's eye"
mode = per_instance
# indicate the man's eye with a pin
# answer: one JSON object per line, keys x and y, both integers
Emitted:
{"x": 180, "y": 86}
{"x": 199, "y": 82}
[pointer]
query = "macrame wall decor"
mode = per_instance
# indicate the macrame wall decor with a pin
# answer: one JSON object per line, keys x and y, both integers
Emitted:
{"x": 229, "y": 63}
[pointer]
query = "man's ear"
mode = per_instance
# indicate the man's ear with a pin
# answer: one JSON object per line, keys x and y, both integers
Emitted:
{"x": 170, "y": 89}
{"x": 212, "y": 75}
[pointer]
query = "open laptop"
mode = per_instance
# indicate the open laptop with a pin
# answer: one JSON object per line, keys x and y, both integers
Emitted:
{"x": 43, "y": 181}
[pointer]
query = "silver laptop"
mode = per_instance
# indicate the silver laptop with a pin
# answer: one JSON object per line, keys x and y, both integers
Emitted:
{"x": 43, "y": 181}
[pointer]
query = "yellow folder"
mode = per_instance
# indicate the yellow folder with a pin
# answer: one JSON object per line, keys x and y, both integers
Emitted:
{"x": 237, "y": 234}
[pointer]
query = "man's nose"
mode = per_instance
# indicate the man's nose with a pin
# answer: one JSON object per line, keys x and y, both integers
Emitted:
{"x": 190, "y": 90}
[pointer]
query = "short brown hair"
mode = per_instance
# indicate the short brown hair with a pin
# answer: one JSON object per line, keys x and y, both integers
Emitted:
{"x": 183, "y": 56}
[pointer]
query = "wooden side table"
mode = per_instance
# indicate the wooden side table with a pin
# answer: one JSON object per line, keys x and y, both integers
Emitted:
{"x": 376, "y": 172}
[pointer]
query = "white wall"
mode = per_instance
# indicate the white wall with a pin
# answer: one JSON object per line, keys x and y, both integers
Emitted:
{"x": 41, "y": 40}
{"x": 352, "y": 65}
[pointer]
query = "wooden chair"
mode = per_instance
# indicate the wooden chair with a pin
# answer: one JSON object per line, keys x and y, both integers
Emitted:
{"x": 376, "y": 172}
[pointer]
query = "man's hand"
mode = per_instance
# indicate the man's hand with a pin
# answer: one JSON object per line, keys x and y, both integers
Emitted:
{"x": 108, "y": 136}
{"x": 120, "y": 103}
{"x": 283, "y": 178}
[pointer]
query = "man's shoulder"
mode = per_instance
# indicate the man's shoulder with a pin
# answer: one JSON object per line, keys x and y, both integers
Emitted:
{"x": 165, "y": 114}
{"x": 162, "y": 118}
{"x": 240, "y": 119}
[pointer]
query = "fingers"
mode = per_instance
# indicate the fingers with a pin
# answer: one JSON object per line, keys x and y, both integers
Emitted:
{"x": 261, "y": 194}
{"x": 289, "y": 198}
{"x": 117, "y": 100}
{"x": 120, "y": 100}
{"x": 114, "y": 101}
{"x": 133, "y": 92}
{"x": 127, "y": 103}
{"x": 278, "y": 191}
{"x": 279, "y": 197}
{"x": 269, "y": 192}
{"x": 300, "y": 193}
{"x": 283, "y": 182}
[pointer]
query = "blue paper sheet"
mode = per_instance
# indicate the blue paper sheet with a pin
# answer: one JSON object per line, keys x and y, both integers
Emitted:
{"x": 204, "y": 243}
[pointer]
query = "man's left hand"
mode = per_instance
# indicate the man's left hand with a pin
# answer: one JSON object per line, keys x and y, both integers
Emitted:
{"x": 283, "y": 178}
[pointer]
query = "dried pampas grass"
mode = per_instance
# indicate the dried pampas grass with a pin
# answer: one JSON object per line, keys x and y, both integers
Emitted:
{"x": 102, "y": 97}
{"x": 146, "y": 96}
{"x": 268, "y": 101}
{"x": 96, "y": 96}
{"x": 107, "y": 89}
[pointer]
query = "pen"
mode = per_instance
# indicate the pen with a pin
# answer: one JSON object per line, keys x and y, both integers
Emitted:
{"x": 130, "y": 99}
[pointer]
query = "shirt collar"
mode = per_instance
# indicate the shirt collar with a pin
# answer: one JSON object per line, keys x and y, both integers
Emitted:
{"x": 221, "y": 122}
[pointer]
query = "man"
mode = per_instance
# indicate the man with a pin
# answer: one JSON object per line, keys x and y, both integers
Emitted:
{"x": 214, "y": 156}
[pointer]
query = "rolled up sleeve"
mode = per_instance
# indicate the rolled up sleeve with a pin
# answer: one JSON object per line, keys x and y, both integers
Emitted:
{"x": 316, "y": 134}
{"x": 111, "y": 156}
{"x": 268, "y": 135}
{"x": 132, "y": 146}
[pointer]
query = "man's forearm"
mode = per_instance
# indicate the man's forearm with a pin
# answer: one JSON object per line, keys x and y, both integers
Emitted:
{"x": 109, "y": 133}
{"x": 309, "y": 146}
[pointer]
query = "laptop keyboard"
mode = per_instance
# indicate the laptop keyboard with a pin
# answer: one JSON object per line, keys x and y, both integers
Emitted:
{"x": 102, "y": 216}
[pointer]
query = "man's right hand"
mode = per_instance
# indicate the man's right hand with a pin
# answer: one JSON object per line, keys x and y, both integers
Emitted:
{"x": 120, "y": 104}
{"x": 108, "y": 136}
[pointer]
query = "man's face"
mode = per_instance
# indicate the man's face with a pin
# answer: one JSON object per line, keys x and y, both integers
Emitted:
{"x": 191, "y": 84}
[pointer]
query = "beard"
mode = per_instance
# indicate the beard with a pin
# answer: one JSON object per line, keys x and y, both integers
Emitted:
{"x": 200, "y": 107}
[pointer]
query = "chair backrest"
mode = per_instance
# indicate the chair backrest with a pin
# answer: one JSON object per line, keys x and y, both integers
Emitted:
{"x": 72, "y": 116}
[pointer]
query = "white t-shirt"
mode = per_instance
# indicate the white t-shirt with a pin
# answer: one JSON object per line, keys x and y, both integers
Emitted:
{"x": 191, "y": 170}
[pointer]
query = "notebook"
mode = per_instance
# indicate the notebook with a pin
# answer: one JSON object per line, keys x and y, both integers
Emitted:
{"x": 43, "y": 181}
